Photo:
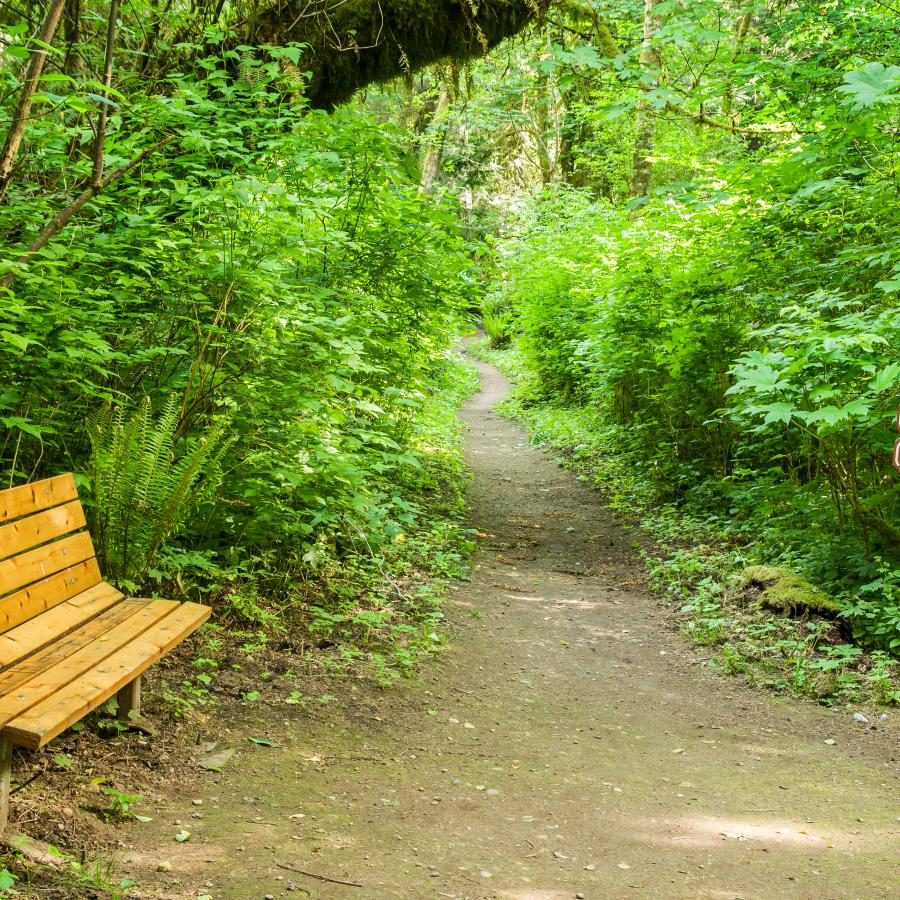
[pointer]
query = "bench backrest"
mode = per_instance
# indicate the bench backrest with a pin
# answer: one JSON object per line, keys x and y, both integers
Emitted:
{"x": 46, "y": 555}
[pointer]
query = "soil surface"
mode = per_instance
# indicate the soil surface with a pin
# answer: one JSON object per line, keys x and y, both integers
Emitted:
{"x": 569, "y": 744}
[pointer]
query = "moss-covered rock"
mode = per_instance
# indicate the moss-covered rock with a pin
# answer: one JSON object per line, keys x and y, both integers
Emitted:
{"x": 788, "y": 593}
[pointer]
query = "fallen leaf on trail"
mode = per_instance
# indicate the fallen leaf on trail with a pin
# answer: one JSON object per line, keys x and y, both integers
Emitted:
{"x": 144, "y": 818}
{"x": 506, "y": 561}
{"x": 263, "y": 742}
{"x": 679, "y": 750}
{"x": 183, "y": 836}
{"x": 829, "y": 741}
{"x": 623, "y": 866}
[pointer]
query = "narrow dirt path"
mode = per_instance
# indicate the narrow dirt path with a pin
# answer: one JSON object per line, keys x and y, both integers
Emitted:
{"x": 569, "y": 745}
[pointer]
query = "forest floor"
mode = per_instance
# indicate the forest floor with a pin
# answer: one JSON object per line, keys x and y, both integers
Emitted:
{"x": 569, "y": 744}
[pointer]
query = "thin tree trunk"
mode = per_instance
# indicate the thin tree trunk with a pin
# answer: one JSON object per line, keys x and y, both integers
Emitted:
{"x": 645, "y": 122}
{"x": 432, "y": 164}
{"x": 740, "y": 32}
{"x": 73, "y": 63}
{"x": 23, "y": 109}
{"x": 103, "y": 116}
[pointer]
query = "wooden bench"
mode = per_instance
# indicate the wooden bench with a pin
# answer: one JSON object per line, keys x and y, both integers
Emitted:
{"x": 68, "y": 640}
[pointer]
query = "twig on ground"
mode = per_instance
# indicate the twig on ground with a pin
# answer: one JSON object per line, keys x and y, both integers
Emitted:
{"x": 463, "y": 691}
{"x": 319, "y": 877}
{"x": 28, "y": 781}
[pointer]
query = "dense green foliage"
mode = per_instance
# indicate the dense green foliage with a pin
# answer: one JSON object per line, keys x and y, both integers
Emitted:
{"x": 230, "y": 313}
{"x": 240, "y": 340}
{"x": 734, "y": 332}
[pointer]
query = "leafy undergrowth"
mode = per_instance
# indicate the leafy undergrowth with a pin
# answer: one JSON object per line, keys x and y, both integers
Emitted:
{"x": 370, "y": 611}
{"x": 368, "y": 619}
{"x": 695, "y": 561}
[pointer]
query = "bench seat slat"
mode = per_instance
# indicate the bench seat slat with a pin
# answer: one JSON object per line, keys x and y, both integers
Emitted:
{"x": 43, "y": 721}
{"x": 65, "y": 672}
{"x": 43, "y": 561}
{"x": 23, "y": 534}
{"x": 26, "y": 669}
{"x": 53, "y": 590}
{"x": 56, "y": 623}
{"x": 31, "y": 498}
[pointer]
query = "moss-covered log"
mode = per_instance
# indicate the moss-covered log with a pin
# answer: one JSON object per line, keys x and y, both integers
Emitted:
{"x": 360, "y": 42}
{"x": 788, "y": 593}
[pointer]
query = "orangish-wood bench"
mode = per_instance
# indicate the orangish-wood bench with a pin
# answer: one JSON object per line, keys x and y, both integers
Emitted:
{"x": 68, "y": 640}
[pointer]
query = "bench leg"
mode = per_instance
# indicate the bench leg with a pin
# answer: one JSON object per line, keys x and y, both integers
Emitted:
{"x": 129, "y": 699}
{"x": 5, "y": 773}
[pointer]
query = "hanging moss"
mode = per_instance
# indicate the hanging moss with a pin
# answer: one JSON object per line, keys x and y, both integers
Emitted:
{"x": 361, "y": 42}
{"x": 787, "y": 593}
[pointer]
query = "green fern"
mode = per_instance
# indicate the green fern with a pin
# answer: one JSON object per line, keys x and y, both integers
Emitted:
{"x": 497, "y": 321}
{"x": 146, "y": 482}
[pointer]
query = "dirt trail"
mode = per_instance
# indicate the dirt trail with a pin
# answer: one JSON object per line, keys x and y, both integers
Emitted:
{"x": 568, "y": 745}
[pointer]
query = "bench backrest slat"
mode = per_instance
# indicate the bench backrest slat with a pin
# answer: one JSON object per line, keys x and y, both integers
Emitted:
{"x": 45, "y": 557}
{"x": 37, "y": 598}
{"x": 37, "y": 564}
{"x": 32, "y": 498}
{"x": 32, "y": 531}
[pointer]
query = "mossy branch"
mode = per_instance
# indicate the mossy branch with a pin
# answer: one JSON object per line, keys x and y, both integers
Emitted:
{"x": 358, "y": 42}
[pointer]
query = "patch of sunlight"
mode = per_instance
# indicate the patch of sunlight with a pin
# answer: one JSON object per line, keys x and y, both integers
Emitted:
{"x": 611, "y": 633}
{"x": 581, "y": 603}
{"x": 760, "y": 750}
{"x": 711, "y": 831}
{"x": 535, "y": 894}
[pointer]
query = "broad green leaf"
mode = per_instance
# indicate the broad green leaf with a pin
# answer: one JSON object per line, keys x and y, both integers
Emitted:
{"x": 874, "y": 83}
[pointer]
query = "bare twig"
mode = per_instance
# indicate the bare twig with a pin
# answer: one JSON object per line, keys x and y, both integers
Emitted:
{"x": 463, "y": 691}
{"x": 319, "y": 877}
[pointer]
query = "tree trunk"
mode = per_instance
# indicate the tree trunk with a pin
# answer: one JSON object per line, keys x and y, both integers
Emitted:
{"x": 73, "y": 64}
{"x": 740, "y": 32}
{"x": 103, "y": 115}
{"x": 432, "y": 164}
{"x": 645, "y": 121}
{"x": 23, "y": 109}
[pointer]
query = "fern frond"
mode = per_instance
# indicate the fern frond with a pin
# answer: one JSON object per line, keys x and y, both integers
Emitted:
{"x": 146, "y": 482}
